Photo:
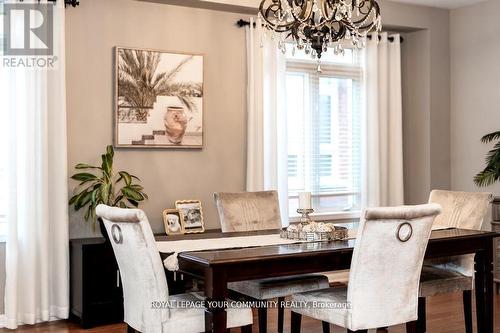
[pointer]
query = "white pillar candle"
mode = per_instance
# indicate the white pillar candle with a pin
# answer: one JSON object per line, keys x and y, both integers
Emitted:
{"x": 305, "y": 200}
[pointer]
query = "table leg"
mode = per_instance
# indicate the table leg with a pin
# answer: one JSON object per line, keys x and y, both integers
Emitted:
{"x": 216, "y": 293}
{"x": 484, "y": 289}
{"x": 489, "y": 320}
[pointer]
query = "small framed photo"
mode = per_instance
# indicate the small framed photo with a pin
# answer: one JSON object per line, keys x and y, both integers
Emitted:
{"x": 172, "y": 219}
{"x": 192, "y": 215}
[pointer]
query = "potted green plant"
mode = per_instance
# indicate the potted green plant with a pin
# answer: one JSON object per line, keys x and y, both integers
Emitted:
{"x": 491, "y": 173}
{"x": 101, "y": 185}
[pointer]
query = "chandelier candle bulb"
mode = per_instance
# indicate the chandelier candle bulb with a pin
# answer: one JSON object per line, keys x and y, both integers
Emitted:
{"x": 305, "y": 200}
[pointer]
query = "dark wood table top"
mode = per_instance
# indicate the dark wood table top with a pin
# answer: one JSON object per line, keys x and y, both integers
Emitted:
{"x": 252, "y": 254}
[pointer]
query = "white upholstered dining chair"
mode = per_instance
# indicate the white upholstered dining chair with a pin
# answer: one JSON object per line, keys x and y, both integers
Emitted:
{"x": 251, "y": 211}
{"x": 384, "y": 276}
{"x": 145, "y": 290}
{"x": 462, "y": 210}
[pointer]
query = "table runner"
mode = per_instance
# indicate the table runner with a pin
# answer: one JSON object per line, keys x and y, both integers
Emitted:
{"x": 226, "y": 243}
{"x": 223, "y": 243}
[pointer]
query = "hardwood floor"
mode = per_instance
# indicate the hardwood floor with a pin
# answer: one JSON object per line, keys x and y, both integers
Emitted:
{"x": 444, "y": 315}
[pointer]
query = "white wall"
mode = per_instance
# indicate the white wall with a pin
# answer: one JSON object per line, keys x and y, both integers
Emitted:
{"x": 475, "y": 89}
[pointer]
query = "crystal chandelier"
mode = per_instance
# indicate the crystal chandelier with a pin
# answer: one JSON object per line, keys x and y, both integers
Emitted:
{"x": 315, "y": 25}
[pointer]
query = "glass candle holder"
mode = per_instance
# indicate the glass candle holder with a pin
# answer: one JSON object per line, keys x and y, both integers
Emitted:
{"x": 305, "y": 218}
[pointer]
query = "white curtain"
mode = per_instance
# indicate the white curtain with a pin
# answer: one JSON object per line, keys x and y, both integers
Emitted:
{"x": 37, "y": 268}
{"x": 266, "y": 118}
{"x": 383, "y": 157}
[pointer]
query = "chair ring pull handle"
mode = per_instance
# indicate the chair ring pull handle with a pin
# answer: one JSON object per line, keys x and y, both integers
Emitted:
{"x": 404, "y": 232}
{"x": 116, "y": 233}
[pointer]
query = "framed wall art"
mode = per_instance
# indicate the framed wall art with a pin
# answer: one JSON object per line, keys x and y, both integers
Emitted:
{"x": 158, "y": 99}
{"x": 192, "y": 215}
{"x": 172, "y": 219}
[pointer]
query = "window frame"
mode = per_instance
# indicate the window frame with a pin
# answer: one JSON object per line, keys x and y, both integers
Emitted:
{"x": 353, "y": 71}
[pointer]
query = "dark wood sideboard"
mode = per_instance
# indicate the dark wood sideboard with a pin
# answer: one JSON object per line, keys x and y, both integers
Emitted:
{"x": 96, "y": 294}
{"x": 95, "y": 288}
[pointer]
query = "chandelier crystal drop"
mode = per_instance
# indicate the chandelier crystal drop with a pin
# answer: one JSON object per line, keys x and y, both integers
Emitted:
{"x": 315, "y": 25}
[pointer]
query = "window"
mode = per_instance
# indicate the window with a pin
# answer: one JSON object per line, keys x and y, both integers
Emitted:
{"x": 324, "y": 130}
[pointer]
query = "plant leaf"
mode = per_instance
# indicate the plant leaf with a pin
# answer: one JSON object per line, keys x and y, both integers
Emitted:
{"x": 132, "y": 194}
{"x": 118, "y": 199}
{"x": 490, "y": 137}
{"x": 88, "y": 213}
{"x": 95, "y": 194}
{"x": 136, "y": 187}
{"x": 84, "y": 176}
{"x": 110, "y": 151}
{"x": 126, "y": 177}
{"x": 486, "y": 177}
{"x": 85, "y": 166}
{"x": 105, "y": 191}
{"x": 73, "y": 199}
{"x": 133, "y": 203}
{"x": 83, "y": 199}
{"x": 106, "y": 165}
{"x": 76, "y": 200}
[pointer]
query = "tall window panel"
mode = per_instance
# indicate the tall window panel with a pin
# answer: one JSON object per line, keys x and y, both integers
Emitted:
{"x": 324, "y": 110}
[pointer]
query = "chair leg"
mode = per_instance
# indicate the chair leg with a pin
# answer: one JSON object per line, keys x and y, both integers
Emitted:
{"x": 411, "y": 327}
{"x": 326, "y": 327}
{"x": 421, "y": 321}
{"x": 262, "y": 320}
{"x": 246, "y": 329}
{"x": 296, "y": 320}
{"x": 281, "y": 314}
{"x": 468, "y": 310}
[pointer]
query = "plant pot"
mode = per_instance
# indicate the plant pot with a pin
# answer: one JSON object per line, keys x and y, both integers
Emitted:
{"x": 175, "y": 121}
{"x": 496, "y": 209}
{"x": 104, "y": 232}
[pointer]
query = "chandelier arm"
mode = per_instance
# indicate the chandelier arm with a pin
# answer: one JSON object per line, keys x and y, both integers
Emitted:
{"x": 361, "y": 22}
{"x": 324, "y": 10}
{"x": 371, "y": 6}
{"x": 316, "y": 23}
{"x": 304, "y": 14}
{"x": 275, "y": 7}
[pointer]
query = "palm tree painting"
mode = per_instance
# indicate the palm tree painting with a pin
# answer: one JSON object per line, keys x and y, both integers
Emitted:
{"x": 159, "y": 99}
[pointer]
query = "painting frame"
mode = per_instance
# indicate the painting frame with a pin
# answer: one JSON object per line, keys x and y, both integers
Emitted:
{"x": 166, "y": 221}
{"x": 183, "y": 206}
{"x": 116, "y": 99}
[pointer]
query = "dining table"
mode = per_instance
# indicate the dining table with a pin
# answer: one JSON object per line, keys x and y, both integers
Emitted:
{"x": 219, "y": 267}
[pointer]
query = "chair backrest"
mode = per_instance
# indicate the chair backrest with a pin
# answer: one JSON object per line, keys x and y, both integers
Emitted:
{"x": 248, "y": 211}
{"x": 142, "y": 274}
{"x": 465, "y": 210}
{"x": 386, "y": 265}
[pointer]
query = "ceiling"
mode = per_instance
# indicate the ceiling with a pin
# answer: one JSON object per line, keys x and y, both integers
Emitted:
{"x": 451, "y": 4}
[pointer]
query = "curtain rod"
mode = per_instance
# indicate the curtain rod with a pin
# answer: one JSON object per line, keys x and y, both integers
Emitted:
{"x": 242, "y": 23}
{"x": 72, "y": 3}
